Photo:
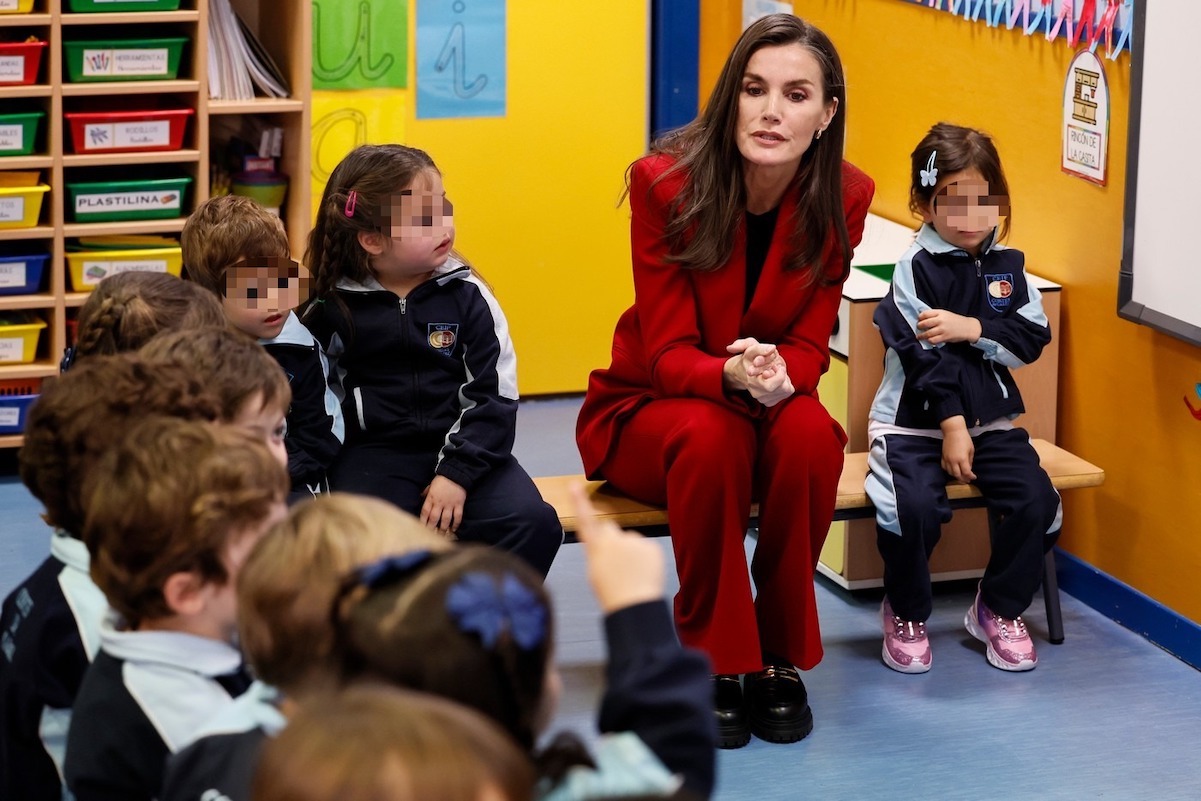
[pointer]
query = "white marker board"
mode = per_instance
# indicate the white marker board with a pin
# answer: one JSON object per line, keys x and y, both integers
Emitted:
{"x": 1160, "y": 280}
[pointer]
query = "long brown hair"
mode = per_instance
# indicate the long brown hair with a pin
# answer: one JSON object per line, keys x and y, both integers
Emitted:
{"x": 711, "y": 207}
{"x": 374, "y": 173}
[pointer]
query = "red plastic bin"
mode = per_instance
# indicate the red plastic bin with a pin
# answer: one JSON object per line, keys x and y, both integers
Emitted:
{"x": 20, "y": 62}
{"x": 127, "y": 131}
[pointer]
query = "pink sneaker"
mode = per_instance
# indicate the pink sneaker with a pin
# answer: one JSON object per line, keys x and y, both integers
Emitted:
{"x": 1009, "y": 646}
{"x": 906, "y": 647}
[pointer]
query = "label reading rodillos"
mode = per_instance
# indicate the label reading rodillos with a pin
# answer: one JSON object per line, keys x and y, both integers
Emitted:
{"x": 106, "y": 135}
{"x": 150, "y": 61}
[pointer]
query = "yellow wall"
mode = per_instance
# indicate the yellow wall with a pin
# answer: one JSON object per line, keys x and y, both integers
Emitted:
{"x": 536, "y": 192}
{"x": 1121, "y": 385}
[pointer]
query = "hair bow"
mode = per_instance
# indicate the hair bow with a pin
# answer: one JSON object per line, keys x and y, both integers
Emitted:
{"x": 479, "y": 606}
{"x": 391, "y": 568}
{"x": 929, "y": 175}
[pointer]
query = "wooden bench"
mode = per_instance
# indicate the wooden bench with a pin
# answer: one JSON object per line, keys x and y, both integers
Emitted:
{"x": 1067, "y": 471}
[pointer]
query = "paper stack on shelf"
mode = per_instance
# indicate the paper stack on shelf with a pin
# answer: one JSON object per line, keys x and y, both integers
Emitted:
{"x": 238, "y": 62}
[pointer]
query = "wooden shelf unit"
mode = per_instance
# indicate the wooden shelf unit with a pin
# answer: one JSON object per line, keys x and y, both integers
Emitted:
{"x": 285, "y": 29}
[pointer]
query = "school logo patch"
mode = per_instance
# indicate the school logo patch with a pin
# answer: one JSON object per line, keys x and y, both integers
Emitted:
{"x": 442, "y": 336}
{"x": 1000, "y": 288}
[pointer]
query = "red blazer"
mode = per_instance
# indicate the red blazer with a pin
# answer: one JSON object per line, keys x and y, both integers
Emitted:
{"x": 672, "y": 342}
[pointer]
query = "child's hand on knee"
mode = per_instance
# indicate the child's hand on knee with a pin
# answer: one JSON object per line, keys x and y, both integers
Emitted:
{"x": 443, "y": 507}
{"x": 958, "y": 450}
{"x": 624, "y": 568}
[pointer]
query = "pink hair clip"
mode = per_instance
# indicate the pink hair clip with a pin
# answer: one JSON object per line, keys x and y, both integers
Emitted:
{"x": 351, "y": 198}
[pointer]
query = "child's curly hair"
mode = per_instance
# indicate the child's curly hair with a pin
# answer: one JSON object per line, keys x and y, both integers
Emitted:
{"x": 81, "y": 414}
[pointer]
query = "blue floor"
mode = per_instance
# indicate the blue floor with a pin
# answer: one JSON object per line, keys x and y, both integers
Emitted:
{"x": 1106, "y": 715}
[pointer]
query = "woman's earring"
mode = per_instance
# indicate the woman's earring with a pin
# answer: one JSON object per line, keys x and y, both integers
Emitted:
{"x": 819, "y": 134}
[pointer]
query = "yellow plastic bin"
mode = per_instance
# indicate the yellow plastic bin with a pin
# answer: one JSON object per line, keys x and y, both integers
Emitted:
{"x": 89, "y": 268}
{"x": 20, "y": 206}
{"x": 16, "y": 7}
{"x": 19, "y": 335}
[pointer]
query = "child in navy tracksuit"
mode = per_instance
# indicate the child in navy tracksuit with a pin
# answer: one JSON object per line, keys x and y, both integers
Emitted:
{"x": 50, "y": 624}
{"x": 238, "y": 250}
{"x": 172, "y": 512}
{"x": 285, "y": 591}
{"x": 424, "y": 358}
{"x": 960, "y": 313}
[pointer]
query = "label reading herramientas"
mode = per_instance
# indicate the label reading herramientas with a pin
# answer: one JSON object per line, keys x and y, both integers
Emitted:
{"x": 126, "y": 201}
{"x": 105, "y": 135}
{"x": 11, "y": 137}
{"x": 112, "y": 62}
{"x": 95, "y": 271}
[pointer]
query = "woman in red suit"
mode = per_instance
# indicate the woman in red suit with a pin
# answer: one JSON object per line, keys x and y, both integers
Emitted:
{"x": 742, "y": 227}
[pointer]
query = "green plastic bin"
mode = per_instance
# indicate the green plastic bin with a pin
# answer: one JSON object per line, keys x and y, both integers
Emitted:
{"x": 124, "y": 59}
{"x": 86, "y": 6}
{"x": 114, "y": 201}
{"x": 18, "y": 132}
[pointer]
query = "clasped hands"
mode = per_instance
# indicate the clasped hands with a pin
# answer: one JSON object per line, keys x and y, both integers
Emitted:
{"x": 758, "y": 368}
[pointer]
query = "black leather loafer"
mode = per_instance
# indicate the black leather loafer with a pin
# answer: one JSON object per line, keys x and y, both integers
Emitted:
{"x": 778, "y": 705}
{"x": 733, "y": 730}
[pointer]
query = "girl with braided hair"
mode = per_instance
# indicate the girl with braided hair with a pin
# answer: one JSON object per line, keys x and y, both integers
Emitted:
{"x": 126, "y": 310}
{"x": 427, "y": 367}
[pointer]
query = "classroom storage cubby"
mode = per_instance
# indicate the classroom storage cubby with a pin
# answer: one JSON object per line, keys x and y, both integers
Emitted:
{"x": 63, "y": 95}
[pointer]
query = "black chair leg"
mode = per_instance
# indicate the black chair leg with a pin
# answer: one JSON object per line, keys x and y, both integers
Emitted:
{"x": 1051, "y": 599}
{"x": 1050, "y": 588}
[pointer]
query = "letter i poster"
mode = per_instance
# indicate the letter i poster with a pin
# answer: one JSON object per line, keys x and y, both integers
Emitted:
{"x": 461, "y": 59}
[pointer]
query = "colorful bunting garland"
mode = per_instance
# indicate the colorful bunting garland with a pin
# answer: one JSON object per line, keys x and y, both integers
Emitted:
{"x": 1079, "y": 22}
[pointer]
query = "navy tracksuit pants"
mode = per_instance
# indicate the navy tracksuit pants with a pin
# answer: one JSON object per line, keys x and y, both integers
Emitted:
{"x": 907, "y": 484}
{"x": 503, "y": 509}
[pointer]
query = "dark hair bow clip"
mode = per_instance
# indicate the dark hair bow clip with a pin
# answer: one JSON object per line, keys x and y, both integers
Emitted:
{"x": 391, "y": 568}
{"x": 478, "y": 606}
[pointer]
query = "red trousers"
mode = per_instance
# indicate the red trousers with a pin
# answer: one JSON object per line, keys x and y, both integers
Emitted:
{"x": 706, "y": 463}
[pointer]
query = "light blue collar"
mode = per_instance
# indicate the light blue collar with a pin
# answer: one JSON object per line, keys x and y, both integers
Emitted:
{"x": 929, "y": 241}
